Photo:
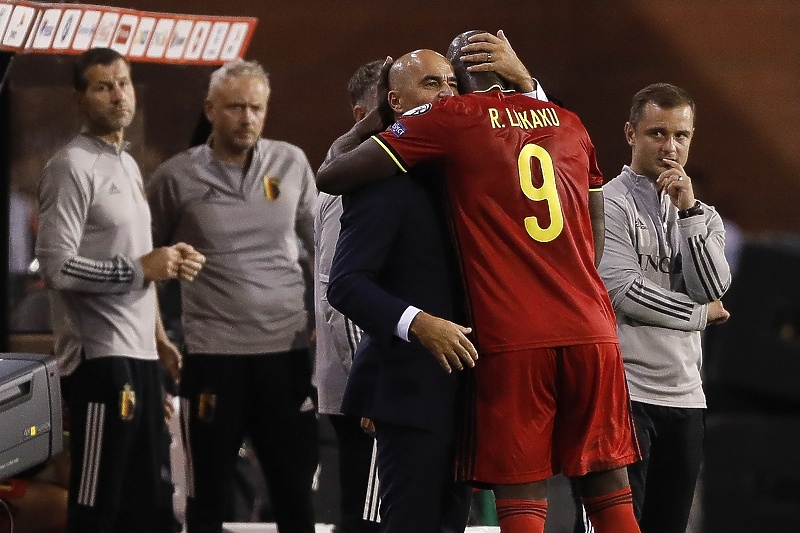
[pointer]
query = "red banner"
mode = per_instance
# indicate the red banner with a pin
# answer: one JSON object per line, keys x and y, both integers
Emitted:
{"x": 28, "y": 27}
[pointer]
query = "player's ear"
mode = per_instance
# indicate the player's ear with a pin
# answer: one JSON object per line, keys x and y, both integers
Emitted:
{"x": 629, "y": 134}
{"x": 77, "y": 99}
{"x": 394, "y": 101}
{"x": 359, "y": 112}
{"x": 208, "y": 108}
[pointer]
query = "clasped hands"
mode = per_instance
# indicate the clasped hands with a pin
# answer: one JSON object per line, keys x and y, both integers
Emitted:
{"x": 179, "y": 261}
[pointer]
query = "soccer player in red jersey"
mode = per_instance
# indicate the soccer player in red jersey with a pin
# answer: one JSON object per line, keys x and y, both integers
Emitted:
{"x": 550, "y": 386}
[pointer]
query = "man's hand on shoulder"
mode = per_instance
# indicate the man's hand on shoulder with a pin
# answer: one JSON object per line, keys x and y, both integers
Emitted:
{"x": 446, "y": 340}
{"x": 373, "y": 123}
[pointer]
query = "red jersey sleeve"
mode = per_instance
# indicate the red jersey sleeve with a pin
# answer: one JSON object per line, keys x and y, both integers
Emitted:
{"x": 420, "y": 135}
{"x": 595, "y": 176}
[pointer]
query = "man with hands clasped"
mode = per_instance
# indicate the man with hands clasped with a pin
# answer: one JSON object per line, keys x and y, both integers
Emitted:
{"x": 246, "y": 202}
{"x": 97, "y": 259}
{"x": 665, "y": 270}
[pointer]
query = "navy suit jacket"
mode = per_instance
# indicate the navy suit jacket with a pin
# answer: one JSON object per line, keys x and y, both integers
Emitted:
{"x": 394, "y": 250}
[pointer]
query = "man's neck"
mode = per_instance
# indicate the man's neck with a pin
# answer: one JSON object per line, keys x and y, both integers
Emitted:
{"x": 235, "y": 158}
{"x": 114, "y": 138}
{"x": 639, "y": 172}
{"x": 230, "y": 156}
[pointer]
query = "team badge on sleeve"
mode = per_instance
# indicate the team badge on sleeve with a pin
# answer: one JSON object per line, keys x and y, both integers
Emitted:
{"x": 398, "y": 129}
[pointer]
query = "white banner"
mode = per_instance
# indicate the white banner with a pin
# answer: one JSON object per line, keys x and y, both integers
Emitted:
{"x": 27, "y": 27}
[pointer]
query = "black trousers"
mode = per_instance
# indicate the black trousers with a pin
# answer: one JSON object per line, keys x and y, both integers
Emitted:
{"x": 663, "y": 482}
{"x": 269, "y": 398}
{"x": 417, "y": 481}
{"x": 117, "y": 432}
{"x": 356, "y": 477}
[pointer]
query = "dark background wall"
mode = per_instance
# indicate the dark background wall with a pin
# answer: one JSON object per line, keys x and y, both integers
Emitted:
{"x": 740, "y": 59}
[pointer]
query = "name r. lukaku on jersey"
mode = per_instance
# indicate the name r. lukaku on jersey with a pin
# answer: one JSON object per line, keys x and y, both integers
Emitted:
{"x": 527, "y": 120}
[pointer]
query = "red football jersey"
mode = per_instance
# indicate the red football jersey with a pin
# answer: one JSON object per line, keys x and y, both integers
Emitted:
{"x": 518, "y": 173}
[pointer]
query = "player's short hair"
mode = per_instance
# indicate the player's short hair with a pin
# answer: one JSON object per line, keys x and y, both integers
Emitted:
{"x": 363, "y": 82}
{"x": 236, "y": 69}
{"x": 664, "y": 95}
{"x": 90, "y": 58}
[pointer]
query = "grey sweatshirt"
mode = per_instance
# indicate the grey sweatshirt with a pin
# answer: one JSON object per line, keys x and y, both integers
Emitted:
{"x": 93, "y": 227}
{"x": 248, "y": 299}
{"x": 661, "y": 272}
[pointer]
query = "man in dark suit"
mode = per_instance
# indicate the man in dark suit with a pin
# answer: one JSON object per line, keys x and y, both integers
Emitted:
{"x": 394, "y": 252}
{"x": 396, "y": 276}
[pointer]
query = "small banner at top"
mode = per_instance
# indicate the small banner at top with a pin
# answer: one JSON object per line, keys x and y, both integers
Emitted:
{"x": 39, "y": 28}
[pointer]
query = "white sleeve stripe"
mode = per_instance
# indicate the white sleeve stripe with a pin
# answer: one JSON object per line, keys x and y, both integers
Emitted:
{"x": 353, "y": 335}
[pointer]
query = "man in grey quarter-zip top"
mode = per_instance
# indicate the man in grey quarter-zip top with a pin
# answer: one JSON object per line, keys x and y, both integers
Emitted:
{"x": 243, "y": 201}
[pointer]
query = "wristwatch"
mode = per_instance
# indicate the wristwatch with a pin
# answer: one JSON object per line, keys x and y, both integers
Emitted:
{"x": 696, "y": 209}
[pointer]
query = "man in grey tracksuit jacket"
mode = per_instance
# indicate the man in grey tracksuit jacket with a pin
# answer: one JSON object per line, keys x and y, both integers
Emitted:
{"x": 97, "y": 259}
{"x": 665, "y": 270}
{"x": 247, "y": 202}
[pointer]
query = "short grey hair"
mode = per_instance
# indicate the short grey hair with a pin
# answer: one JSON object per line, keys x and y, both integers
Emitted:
{"x": 236, "y": 69}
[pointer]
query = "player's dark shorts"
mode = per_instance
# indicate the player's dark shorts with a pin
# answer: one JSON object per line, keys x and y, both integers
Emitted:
{"x": 541, "y": 411}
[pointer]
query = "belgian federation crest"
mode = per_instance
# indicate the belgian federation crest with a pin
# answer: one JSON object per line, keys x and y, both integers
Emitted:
{"x": 127, "y": 402}
{"x": 206, "y": 407}
{"x": 271, "y": 189}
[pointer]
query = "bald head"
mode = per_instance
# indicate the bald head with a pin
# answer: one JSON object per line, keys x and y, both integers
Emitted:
{"x": 469, "y": 82}
{"x": 420, "y": 77}
{"x": 413, "y": 62}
